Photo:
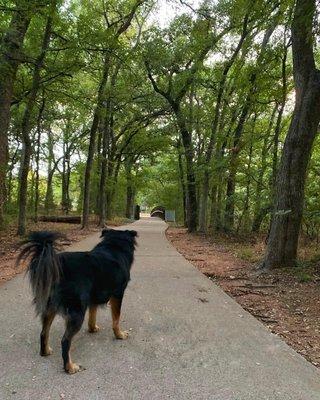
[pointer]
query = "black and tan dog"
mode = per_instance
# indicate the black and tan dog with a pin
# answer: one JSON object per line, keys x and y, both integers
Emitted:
{"x": 68, "y": 283}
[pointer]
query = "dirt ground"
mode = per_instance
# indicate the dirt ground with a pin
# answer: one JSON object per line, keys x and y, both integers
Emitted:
{"x": 9, "y": 243}
{"x": 287, "y": 302}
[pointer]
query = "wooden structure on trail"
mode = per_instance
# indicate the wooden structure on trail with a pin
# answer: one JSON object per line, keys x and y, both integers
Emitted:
{"x": 158, "y": 211}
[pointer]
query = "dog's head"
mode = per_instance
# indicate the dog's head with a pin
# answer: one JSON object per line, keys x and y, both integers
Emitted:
{"x": 114, "y": 236}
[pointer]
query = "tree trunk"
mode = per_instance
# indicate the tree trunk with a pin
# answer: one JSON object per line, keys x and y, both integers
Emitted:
{"x": 277, "y": 130}
{"x": 231, "y": 179}
{"x": 245, "y": 215}
{"x": 214, "y": 127}
{"x": 124, "y": 25}
{"x": 130, "y": 193}
{"x": 12, "y": 162}
{"x": 104, "y": 164}
{"x": 49, "y": 201}
{"x": 286, "y": 222}
{"x": 10, "y": 59}
{"x": 26, "y": 124}
{"x": 65, "y": 196}
{"x": 92, "y": 144}
{"x": 186, "y": 138}
{"x": 183, "y": 186}
{"x": 259, "y": 214}
{"x": 113, "y": 179}
{"x": 106, "y": 138}
{"x": 36, "y": 189}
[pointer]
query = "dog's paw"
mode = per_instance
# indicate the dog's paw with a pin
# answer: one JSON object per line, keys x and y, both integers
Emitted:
{"x": 93, "y": 329}
{"x": 73, "y": 368}
{"x": 46, "y": 352}
{"x": 122, "y": 335}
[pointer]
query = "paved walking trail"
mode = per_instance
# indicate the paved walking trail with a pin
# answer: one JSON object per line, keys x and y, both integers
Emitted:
{"x": 180, "y": 347}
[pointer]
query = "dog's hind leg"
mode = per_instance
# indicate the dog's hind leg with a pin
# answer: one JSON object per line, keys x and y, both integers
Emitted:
{"x": 116, "y": 311}
{"x": 92, "y": 322}
{"x": 73, "y": 325}
{"x": 47, "y": 319}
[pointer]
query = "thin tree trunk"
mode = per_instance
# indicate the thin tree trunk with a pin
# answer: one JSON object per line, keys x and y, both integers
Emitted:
{"x": 26, "y": 124}
{"x": 98, "y": 168}
{"x": 245, "y": 210}
{"x": 130, "y": 190}
{"x": 214, "y": 127}
{"x": 258, "y": 213}
{"x": 277, "y": 130}
{"x": 112, "y": 187}
{"x": 36, "y": 199}
{"x": 48, "y": 204}
{"x": 186, "y": 138}
{"x": 182, "y": 182}
{"x": 106, "y": 138}
{"x": 10, "y": 59}
{"x": 103, "y": 170}
{"x": 231, "y": 180}
{"x": 65, "y": 196}
{"x": 96, "y": 117}
{"x": 92, "y": 144}
{"x": 288, "y": 208}
{"x": 12, "y": 162}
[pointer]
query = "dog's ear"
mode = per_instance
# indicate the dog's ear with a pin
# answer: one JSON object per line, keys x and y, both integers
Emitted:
{"x": 133, "y": 233}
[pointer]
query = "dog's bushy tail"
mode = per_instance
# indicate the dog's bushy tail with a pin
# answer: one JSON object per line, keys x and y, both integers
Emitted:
{"x": 44, "y": 267}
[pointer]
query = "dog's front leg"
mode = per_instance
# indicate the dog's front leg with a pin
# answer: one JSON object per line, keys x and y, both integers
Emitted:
{"x": 115, "y": 304}
{"x": 92, "y": 322}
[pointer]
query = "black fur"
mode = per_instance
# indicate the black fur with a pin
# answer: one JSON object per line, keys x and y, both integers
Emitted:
{"x": 68, "y": 283}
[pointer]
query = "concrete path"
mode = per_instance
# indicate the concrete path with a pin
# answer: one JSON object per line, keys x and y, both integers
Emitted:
{"x": 180, "y": 347}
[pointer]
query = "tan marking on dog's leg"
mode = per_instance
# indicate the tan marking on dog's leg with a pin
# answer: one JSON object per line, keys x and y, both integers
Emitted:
{"x": 115, "y": 312}
{"x": 92, "y": 322}
{"x": 47, "y": 319}
{"x": 72, "y": 368}
{"x": 73, "y": 325}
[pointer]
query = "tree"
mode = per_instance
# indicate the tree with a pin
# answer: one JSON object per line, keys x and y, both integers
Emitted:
{"x": 289, "y": 194}
{"x": 10, "y": 59}
{"x": 181, "y": 67}
{"x": 116, "y": 28}
{"x": 26, "y": 123}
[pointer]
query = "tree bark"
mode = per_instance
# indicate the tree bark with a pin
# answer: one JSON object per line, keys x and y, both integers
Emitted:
{"x": 96, "y": 117}
{"x": 130, "y": 190}
{"x": 231, "y": 180}
{"x": 65, "y": 196}
{"x": 259, "y": 208}
{"x": 10, "y": 59}
{"x": 49, "y": 201}
{"x": 106, "y": 138}
{"x": 186, "y": 138}
{"x": 183, "y": 185}
{"x": 288, "y": 207}
{"x": 214, "y": 127}
{"x": 36, "y": 189}
{"x": 26, "y": 124}
{"x": 92, "y": 144}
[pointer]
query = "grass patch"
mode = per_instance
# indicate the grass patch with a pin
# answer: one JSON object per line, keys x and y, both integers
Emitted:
{"x": 302, "y": 275}
{"x": 247, "y": 253}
